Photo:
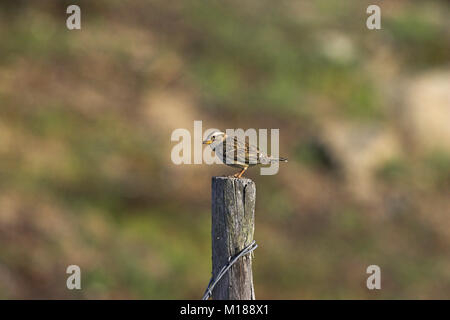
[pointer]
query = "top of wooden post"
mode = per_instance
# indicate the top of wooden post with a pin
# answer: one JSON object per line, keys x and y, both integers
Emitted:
{"x": 240, "y": 181}
{"x": 232, "y": 178}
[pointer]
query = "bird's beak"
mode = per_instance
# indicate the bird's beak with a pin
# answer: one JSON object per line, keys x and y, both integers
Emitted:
{"x": 207, "y": 142}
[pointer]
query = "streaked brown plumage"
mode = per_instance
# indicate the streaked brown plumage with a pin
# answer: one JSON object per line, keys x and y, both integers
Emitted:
{"x": 234, "y": 152}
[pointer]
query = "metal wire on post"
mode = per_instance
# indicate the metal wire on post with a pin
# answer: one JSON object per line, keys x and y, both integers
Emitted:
{"x": 231, "y": 260}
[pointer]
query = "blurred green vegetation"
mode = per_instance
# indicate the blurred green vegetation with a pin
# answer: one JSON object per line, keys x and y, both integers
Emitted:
{"x": 85, "y": 124}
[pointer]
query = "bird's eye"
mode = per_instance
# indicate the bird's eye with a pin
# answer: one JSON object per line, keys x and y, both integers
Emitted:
{"x": 213, "y": 138}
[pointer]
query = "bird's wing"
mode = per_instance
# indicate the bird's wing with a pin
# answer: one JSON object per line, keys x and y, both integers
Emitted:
{"x": 239, "y": 151}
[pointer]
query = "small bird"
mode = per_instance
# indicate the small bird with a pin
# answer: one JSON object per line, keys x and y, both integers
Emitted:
{"x": 236, "y": 153}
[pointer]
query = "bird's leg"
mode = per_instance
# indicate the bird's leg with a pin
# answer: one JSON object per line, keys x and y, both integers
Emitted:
{"x": 242, "y": 172}
{"x": 236, "y": 174}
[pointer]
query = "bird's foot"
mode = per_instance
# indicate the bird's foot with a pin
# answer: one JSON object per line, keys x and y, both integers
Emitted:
{"x": 240, "y": 173}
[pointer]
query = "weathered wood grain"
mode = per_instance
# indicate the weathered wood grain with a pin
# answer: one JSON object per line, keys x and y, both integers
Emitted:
{"x": 233, "y": 224}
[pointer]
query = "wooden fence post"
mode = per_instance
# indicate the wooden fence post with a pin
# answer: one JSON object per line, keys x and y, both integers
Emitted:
{"x": 233, "y": 225}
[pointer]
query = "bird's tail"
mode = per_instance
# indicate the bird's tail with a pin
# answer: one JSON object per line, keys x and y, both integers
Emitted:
{"x": 280, "y": 159}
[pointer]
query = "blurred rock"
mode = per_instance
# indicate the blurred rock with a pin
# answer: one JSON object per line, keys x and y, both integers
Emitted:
{"x": 359, "y": 149}
{"x": 337, "y": 46}
{"x": 426, "y": 111}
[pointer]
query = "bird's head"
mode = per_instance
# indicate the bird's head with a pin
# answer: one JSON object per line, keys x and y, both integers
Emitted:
{"x": 215, "y": 138}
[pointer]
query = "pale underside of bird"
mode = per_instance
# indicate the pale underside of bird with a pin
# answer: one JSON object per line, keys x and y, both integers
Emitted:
{"x": 236, "y": 152}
